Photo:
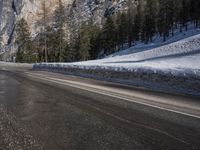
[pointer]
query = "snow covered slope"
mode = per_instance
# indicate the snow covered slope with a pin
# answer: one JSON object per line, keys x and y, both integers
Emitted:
{"x": 183, "y": 47}
{"x": 173, "y": 67}
{"x": 158, "y": 41}
{"x": 181, "y": 57}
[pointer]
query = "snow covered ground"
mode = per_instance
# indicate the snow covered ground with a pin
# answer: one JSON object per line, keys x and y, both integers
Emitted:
{"x": 172, "y": 66}
{"x": 5, "y": 65}
{"x": 158, "y": 41}
{"x": 180, "y": 57}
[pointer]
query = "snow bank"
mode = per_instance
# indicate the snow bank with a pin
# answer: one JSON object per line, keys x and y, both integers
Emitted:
{"x": 171, "y": 64}
{"x": 17, "y": 65}
{"x": 189, "y": 45}
{"x": 178, "y": 57}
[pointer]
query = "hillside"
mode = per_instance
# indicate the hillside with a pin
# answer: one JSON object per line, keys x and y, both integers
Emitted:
{"x": 80, "y": 30}
{"x": 173, "y": 67}
{"x": 181, "y": 56}
{"x": 76, "y": 12}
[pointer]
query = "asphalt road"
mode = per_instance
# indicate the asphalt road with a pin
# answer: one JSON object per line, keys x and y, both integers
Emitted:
{"x": 40, "y": 110}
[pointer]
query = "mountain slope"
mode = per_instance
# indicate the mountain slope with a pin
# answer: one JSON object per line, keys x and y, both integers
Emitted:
{"x": 76, "y": 11}
{"x": 177, "y": 58}
{"x": 173, "y": 67}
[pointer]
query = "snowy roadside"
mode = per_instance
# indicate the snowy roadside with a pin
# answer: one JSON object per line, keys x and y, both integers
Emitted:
{"x": 4, "y": 65}
{"x": 174, "y": 67}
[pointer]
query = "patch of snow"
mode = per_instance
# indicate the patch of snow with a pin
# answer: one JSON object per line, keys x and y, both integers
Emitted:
{"x": 2, "y": 63}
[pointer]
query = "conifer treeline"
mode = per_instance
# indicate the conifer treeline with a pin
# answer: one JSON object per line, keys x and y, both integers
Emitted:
{"x": 154, "y": 17}
{"x": 122, "y": 30}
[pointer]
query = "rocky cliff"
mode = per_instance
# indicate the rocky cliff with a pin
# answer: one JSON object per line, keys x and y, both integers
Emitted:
{"x": 13, "y": 10}
{"x": 77, "y": 11}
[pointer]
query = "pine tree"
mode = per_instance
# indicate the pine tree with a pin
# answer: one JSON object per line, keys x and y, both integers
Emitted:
{"x": 0, "y": 42}
{"x": 108, "y": 39}
{"x": 184, "y": 14}
{"x": 88, "y": 42}
{"x": 122, "y": 29}
{"x": 138, "y": 20}
{"x": 197, "y": 13}
{"x": 118, "y": 31}
{"x": 85, "y": 45}
{"x": 177, "y": 8}
{"x": 74, "y": 42}
{"x": 65, "y": 55}
{"x": 26, "y": 51}
{"x": 149, "y": 24}
{"x": 39, "y": 45}
{"x": 51, "y": 40}
{"x": 59, "y": 21}
{"x": 94, "y": 41}
{"x": 130, "y": 22}
{"x": 164, "y": 20}
{"x": 137, "y": 27}
{"x": 194, "y": 12}
{"x": 44, "y": 9}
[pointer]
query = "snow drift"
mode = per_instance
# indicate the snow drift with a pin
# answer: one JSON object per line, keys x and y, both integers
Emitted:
{"x": 178, "y": 57}
{"x": 173, "y": 67}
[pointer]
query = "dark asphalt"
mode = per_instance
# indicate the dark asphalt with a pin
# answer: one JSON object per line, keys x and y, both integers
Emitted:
{"x": 42, "y": 115}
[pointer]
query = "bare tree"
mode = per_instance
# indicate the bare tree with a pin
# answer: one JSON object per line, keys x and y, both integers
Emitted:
{"x": 44, "y": 9}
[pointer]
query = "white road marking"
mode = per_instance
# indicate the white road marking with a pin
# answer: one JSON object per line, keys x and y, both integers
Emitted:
{"x": 102, "y": 92}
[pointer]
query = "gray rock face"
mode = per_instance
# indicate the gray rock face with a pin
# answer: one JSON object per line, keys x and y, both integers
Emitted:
{"x": 95, "y": 10}
{"x": 77, "y": 12}
{"x": 7, "y": 20}
{"x": 9, "y": 9}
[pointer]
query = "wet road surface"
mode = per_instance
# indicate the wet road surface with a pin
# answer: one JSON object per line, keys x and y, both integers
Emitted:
{"x": 37, "y": 114}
